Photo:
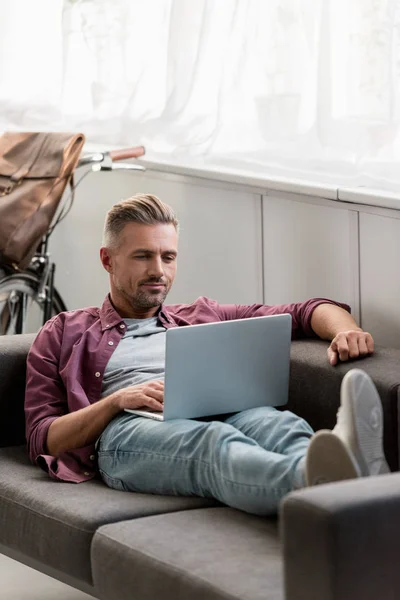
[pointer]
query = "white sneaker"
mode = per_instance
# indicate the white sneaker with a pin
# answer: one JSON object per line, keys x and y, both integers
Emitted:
{"x": 354, "y": 448}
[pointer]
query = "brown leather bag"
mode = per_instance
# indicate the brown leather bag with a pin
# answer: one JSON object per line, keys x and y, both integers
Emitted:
{"x": 34, "y": 171}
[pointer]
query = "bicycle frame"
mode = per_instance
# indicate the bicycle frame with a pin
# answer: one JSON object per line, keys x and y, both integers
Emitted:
{"x": 37, "y": 280}
{"x": 46, "y": 270}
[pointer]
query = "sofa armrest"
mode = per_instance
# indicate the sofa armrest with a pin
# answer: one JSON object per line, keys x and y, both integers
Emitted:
{"x": 342, "y": 541}
{"x": 13, "y": 353}
{"x": 314, "y": 389}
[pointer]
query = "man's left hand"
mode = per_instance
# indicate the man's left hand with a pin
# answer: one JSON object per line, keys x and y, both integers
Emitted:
{"x": 347, "y": 345}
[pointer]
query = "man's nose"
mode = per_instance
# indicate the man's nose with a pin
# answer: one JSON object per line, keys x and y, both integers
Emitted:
{"x": 156, "y": 267}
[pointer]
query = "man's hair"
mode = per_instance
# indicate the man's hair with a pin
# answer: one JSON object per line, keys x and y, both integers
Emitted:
{"x": 141, "y": 208}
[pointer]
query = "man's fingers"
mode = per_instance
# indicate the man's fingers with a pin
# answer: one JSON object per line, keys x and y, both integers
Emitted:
{"x": 342, "y": 348}
{"x": 350, "y": 344}
{"x": 362, "y": 346}
{"x": 353, "y": 343}
{"x": 370, "y": 342}
{"x": 332, "y": 356}
{"x": 155, "y": 394}
{"x": 157, "y": 383}
{"x": 153, "y": 404}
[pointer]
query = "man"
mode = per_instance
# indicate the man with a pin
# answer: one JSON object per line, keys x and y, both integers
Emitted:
{"x": 86, "y": 366}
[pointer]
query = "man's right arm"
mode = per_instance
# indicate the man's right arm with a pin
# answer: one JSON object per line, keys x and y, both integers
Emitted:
{"x": 80, "y": 428}
{"x": 83, "y": 427}
{"x": 51, "y": 428}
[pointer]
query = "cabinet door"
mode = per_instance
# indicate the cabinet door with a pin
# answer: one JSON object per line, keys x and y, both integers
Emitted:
{"x": 220, "y": 247}
{"x": 310, "y": 250}
{"x": 380, "y": 277}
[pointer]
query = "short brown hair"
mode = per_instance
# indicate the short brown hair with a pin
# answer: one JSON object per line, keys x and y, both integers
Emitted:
{"x": 141, "y": 208}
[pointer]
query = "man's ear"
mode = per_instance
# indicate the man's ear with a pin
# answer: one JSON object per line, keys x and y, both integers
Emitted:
{"x": 106, "y": 259}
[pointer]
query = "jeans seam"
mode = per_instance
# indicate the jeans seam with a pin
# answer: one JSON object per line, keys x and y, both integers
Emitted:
{"x": 197, "y": 460}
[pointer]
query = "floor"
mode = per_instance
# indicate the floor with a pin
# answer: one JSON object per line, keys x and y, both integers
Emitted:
{"x": 19, "y": 582}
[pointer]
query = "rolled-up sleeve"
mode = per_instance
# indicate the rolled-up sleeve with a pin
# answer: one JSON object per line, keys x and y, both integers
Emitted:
{"x": 45, "y": 395}
{"x": 300, "y": 312}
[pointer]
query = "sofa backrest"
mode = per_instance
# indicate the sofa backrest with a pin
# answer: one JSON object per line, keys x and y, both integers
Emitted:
{"x": 13, "y": 353}
{"x": 314, "y": 392}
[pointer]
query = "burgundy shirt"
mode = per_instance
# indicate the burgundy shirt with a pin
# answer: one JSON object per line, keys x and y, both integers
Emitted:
{"x": 66, "y": 363}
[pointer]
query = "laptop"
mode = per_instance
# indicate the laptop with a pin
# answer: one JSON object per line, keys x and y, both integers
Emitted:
{"x": 225, "y": 367}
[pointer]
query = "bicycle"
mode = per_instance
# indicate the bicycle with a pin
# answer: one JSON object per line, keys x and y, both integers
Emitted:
{"x": 29, "y": 298}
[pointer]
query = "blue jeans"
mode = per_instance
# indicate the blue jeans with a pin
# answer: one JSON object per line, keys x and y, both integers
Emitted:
{"x": 248, "y": 460}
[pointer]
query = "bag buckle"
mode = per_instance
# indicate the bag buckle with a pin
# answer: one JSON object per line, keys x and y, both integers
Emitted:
{"x": 7, "y": 190}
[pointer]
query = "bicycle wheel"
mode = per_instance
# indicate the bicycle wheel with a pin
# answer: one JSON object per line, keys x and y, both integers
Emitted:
{"x": 20, "y": 311}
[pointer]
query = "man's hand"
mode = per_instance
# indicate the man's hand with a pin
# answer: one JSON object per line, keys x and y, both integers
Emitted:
{"x": 145, "y": 395}
{"x": 83, "y": 427}
{"x": 347, "y": 345}
{"x": 332, "y": 322}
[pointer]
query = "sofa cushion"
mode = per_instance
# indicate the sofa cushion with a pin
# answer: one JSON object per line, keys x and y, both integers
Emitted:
{"x": 13, "y": 352}
{"x": 54, "y": 522}
{"x": 314, "y": 391}
{"x": 215, "y": 553}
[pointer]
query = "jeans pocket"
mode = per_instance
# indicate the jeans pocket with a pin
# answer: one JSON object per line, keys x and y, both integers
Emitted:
{"x": 113, "y": 482}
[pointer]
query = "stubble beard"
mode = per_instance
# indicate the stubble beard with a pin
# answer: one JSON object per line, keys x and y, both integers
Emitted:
{"x": 143, "y": 299}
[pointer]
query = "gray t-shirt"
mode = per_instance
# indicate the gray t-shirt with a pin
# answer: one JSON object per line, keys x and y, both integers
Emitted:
{"x": 139, "y": 357}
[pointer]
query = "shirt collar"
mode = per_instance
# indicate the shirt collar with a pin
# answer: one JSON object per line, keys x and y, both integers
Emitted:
{"x": 108, "y": 315}
{"x": 110, "y": 318}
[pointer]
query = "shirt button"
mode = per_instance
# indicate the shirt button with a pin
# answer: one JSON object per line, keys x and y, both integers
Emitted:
{"x": 122, "y": 326}
{"x": 97, "y": 374}
{"x": 86, "y": 473}
{"x": 92, "y": 457}
{"x": 111, "y": 343}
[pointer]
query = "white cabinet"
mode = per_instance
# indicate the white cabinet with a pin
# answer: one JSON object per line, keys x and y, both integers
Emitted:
{"x": 380, "y": 277}
{"x": 310, "y": 250}
{"x": 220, "y": 249}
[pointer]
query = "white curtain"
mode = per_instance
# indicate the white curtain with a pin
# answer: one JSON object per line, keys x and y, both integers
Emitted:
{"x": 300, "y": 88}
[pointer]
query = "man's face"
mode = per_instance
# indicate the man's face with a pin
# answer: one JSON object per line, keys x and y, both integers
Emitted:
{"x": 142, "y": 268}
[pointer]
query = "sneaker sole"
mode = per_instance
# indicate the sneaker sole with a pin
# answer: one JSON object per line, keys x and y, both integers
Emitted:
{"x": 364, "y": 404}
{"x": 328, "y": 460}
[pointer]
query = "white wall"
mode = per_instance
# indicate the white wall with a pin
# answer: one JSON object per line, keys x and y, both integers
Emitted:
{"x": 380, "y": 277}
{"x": 310, "y": 250}
{"x": 242, "y": 244}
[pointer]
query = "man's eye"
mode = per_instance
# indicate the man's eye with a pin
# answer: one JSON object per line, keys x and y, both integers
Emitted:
{"x": 169, "y": 258}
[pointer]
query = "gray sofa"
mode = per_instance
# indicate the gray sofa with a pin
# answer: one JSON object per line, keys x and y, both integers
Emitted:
{"x": 334, "y": 542}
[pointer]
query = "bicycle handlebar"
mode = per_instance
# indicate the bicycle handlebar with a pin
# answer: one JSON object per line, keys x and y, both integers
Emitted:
{"x": 104, "y": 161}
{"x": 134, "y": 152}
